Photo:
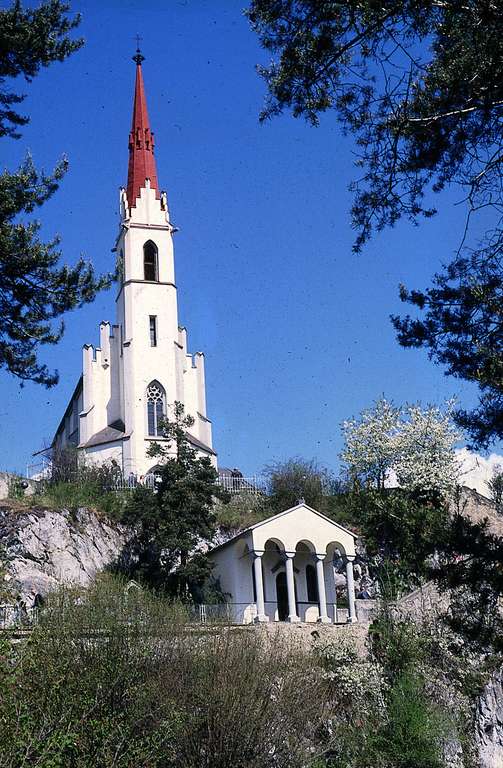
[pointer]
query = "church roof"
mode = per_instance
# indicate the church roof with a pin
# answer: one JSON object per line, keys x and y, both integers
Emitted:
{"x": 141, "y": 142}
{"x": 106, "y": 435}
{"x": 194, "y": 441}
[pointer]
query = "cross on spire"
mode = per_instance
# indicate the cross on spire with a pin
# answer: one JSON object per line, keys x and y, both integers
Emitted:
{"x": 138, "y": 58}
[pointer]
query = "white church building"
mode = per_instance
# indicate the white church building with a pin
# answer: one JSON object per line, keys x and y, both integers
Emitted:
{"x": 142, "y": 364}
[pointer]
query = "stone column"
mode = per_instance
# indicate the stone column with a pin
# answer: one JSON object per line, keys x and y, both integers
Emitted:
{"x": 290, "y": 585}
{"x": 351, "y": 590}
{"x": 322, "y": 597}
{"x": 259, "y": 587}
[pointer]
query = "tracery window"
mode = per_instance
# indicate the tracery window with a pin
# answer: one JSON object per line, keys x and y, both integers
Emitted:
{"x": 156, "y": 407}
{"x": 150, "y": 261}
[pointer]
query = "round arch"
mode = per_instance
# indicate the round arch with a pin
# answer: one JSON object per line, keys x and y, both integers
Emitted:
{"x": 304, "y": 545}
{"x": 335, "y": 551}
{"x": 274, "y": 545}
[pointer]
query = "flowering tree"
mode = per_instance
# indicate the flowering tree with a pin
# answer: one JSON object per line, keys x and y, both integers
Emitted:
{"x": 370, "y": 451}
{"x": 412, "y": 445}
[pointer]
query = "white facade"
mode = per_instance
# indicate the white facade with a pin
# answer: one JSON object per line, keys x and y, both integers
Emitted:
{"x": 142, "y": 365}
{"x": 282, "y": 569}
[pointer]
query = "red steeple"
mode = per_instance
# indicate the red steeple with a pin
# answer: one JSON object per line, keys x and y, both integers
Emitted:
{"x": 141, "y": 143}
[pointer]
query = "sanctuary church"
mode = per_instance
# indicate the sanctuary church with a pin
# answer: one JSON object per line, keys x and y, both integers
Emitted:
{"x": 142, "y": 365}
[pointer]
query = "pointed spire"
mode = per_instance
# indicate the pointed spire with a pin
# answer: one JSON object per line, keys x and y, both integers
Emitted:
{"x": 141, "y": 142}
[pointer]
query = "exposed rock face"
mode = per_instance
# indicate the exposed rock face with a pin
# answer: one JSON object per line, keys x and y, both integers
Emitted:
{"x": 43, "y": 548}
{"x": 489, "y": 723}
{"x": 477, "y": 507}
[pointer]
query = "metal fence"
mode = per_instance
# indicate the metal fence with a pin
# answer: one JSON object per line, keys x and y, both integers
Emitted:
{"x": 17, "y": 616}
{"x": 116, "y": 480}
{"x": 238, "y": 484}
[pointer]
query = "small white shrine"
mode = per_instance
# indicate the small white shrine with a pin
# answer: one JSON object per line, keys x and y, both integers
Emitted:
{"x": 282, "y": 569}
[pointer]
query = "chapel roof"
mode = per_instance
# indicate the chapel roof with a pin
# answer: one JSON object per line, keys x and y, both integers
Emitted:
{"x": 286, "y": 512}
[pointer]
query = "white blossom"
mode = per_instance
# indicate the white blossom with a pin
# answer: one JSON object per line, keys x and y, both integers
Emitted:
{"x": 413, "y": 444}
{"x": 371, "y": 443}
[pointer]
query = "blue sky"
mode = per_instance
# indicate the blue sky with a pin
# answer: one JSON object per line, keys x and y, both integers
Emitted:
{"x": 295, "y": 327}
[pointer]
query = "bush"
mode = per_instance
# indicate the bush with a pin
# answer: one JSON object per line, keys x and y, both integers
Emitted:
{"x": 89, "y": 486}
{"x": 295, "y": 479}
{"x": 415, "y": 729}
{"x": 117, "y": 678}
{"x": 243, "y": 510}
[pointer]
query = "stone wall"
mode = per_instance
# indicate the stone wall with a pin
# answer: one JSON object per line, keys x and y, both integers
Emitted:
{"x": 7, "y": 479}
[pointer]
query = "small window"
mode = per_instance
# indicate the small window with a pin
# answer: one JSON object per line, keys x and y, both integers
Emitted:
{"x": 153, "y": 330}
{"x": 119, "y": 268}
{"x": 150, "y": 261}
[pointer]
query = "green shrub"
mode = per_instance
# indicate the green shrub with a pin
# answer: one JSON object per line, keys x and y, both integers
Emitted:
{"x": 83, "y": 492}
{"x": 243, "y": 510}
{"x": 416, "y": 728}
{"x": 119, "y": 678}
{"x": 16, "y": 488}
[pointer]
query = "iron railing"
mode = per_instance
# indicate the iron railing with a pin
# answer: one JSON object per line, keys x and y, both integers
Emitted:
{"x": 17, "y": 616}
{"x": 121, "y": 481}
{"x": 238, "y": 484}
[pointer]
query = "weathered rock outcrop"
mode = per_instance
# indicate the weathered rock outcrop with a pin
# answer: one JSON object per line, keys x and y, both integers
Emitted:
{"x": 489, "y": 723}
{"x": 42, "y": 548}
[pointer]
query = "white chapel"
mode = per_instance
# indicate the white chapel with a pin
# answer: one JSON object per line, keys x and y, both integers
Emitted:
{"x": 142, "y": 365}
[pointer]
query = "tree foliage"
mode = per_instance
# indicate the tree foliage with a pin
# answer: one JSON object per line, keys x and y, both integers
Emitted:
{"x": 401, "y": 532}
{"x": 31, "y": 38}
{"x": 172, "y": 522}
{"x": 412, "y": 445}
{"x": 295, "y": 479}
{"x": 420, "y": 85}
{"x": 35, "y": 289}
{"x": 470, "y": 564}
{"x": 463, "y": 330}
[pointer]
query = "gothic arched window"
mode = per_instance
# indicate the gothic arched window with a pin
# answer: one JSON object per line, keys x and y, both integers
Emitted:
{"x": 156, "y": 407}
{"x": 150, "y": 261}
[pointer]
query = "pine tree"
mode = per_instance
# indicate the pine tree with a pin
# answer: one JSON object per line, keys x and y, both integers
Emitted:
{"x": 420, "y": 86}
{"x": 178, "y": 516}
{"x": 35, "y": 288}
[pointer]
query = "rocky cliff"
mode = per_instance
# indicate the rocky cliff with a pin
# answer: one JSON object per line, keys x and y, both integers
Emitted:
{"x": 43, "y": 548}
{"x": 489, "y": 723}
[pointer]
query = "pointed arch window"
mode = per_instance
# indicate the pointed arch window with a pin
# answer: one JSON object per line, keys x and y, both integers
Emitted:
{"x": 150, "y": 261}
{"x": 156, "y": 408}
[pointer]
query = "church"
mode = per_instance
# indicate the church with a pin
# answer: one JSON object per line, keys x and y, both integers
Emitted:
{"x": 142, "y": 365}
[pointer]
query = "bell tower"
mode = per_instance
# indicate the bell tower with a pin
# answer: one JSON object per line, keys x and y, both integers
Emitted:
{"x": 142, "y": 365}
{"x": 155, "y": 368}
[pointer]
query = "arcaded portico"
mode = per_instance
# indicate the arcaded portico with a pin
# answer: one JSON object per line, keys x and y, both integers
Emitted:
{"x": 282, "y": 569}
